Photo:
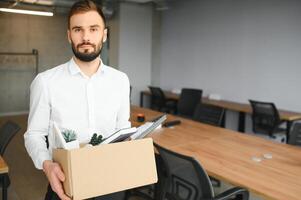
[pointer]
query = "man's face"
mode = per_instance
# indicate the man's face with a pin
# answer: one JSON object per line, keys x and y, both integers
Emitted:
{"x": 86, "y": 34}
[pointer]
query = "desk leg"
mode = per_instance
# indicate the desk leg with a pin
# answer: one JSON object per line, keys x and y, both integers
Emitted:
{"x": 241, "y": 122}
{"x": 4, "y": 188}
{"x": 288, "y": 128}
{"x": 141, "y": 98}
{"x": 223, "y": 124}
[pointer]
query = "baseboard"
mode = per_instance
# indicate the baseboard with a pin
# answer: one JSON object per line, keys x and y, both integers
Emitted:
{"x": 14, "y": 113}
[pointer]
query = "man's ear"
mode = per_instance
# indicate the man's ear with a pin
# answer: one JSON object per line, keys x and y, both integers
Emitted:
{"x": 105, "y": 35}
{"x": 69, "y": 36}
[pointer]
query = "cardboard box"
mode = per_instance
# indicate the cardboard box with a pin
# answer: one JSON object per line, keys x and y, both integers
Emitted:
{"x": 109, "y": 168}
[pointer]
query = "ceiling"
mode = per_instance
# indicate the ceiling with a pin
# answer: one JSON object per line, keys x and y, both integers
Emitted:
{"x": 62, "y": 6}
{"x": 68, "y": 3}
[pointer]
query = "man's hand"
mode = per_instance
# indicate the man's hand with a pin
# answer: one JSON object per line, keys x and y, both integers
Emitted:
{"x": 55, "y": 177}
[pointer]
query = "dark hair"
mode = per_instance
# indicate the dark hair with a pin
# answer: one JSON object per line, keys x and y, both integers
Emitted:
{"x": 85, "y": 6}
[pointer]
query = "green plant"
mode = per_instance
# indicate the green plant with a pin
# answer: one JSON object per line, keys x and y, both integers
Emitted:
{"x": 96, "y": 140}
{"x": 69, "y": 135}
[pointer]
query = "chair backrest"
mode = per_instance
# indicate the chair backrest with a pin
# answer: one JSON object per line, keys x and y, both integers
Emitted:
{"x": 265, "y": 117}
{"x": 7, "y": 132}
{"x": 209, "y": 114}
{"x": 158, "y": 99}
{"x": 295, "y": 134}
{"x": 186, "y": 179}
{"x": 188, "y": 101}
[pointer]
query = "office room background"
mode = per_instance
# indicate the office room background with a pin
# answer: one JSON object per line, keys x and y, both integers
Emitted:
{"x": 239, "y": 49}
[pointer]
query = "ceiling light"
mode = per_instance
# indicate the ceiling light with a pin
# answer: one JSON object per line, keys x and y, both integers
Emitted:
{"x": 27, "y": 12}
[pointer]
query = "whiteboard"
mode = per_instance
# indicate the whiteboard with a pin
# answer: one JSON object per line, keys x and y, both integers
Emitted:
{"x": 17, "y": 70}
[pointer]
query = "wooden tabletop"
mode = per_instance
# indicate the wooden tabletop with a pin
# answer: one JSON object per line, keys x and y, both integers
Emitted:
{"x": 234, "y": 106}
{"x": 227, "y": 155}
{"x": 3, "y": 166}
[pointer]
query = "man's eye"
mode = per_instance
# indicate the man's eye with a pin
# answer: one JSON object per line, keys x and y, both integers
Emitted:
{"x": 93, "y": 29}
{"x": 76, "y": 30}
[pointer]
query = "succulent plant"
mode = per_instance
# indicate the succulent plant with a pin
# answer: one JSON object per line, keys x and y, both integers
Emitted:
{"x": 69, "y": 135}
{"x": 96, "y": 140}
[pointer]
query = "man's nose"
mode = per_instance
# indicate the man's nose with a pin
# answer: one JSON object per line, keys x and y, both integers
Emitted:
{"x": 86, "y": 36}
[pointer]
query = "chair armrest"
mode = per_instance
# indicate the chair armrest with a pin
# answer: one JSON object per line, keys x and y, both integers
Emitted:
{"x": 233, "y": 192}
{"x": 282, "y": 122}
{"x": 170, "y": 196}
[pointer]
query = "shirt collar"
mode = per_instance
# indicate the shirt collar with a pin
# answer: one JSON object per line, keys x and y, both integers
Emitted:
{"x": 74, "y": 68}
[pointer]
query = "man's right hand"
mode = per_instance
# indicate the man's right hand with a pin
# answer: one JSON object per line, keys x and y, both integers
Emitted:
{"x": 55, "y": 177}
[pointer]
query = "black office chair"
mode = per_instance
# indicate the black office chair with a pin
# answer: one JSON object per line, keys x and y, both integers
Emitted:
{"x": 209, "y": 114}
{"x": 7, "y": 132}
{"x": 295, "y": 134}
{"x": 160, "y": 102}
{"x": 266, "y": 119}
{"x": 212, "y": 115}
{"x": 188, "y": 101}
{"x": 186, "y": 179}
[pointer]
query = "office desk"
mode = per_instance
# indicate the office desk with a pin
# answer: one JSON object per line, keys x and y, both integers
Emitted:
{"x": 3, "y": 166}
{"x": 227, "y": 155}
{"x": 241, "y": 108}
{"x": 3, "y": 172}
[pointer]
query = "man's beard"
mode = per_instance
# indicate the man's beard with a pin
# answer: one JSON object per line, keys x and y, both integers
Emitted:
{"x": 86, "y": 57}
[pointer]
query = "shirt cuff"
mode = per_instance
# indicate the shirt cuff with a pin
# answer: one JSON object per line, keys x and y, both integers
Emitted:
{"x": 42, "y": 157}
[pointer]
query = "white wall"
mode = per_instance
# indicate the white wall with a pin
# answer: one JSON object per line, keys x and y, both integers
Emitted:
{"x": 156, "y": 46}
{"x": 241, "y": 49}
{"x": 135, "y": 45}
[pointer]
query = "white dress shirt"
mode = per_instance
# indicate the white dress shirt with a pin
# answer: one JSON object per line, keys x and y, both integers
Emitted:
{"x": 66, "y": 96}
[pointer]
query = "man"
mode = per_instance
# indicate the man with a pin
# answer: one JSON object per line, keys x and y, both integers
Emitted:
{"x": 83, "y": 95}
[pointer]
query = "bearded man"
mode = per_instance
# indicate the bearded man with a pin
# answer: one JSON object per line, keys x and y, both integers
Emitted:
{"x": 83, "y": 95}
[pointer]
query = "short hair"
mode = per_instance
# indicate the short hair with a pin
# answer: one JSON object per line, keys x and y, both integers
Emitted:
{"x": 85, "y": 6}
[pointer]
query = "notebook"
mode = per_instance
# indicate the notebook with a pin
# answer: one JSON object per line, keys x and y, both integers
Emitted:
{"x": 148, "y": 127}
{"x": 120, "y": 135}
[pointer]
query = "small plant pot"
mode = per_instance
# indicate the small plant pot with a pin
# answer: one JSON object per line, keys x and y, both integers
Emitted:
{"x": 72, "y": 145}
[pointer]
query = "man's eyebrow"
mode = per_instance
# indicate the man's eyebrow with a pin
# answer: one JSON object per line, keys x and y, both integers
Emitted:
{"x": 95, "y": 26}
{"x": 76, "y": 27}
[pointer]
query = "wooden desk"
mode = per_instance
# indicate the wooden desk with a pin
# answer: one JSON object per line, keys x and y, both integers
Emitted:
{"x": 227, "y": 155}
{"x": 3, "y": 166}
{"x": 241, "y": 108}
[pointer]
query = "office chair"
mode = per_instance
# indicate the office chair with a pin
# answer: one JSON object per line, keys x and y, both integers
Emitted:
{"x": 186, "y": 179}
{"x": 266, "y": 119}
{"x": 209, "y": 114}
{"x": 295, "y": 134}
{"x": 212, "y": 115}
{"x": 188, "y": 101}
{"x": 160, "y": 102}
{"x": 7, "y": 132}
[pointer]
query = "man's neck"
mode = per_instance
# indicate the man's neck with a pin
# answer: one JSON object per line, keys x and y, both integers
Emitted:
{"x": 88, "y": 68}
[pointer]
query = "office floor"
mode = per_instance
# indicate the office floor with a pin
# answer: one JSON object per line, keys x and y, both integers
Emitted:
{"x": 28, "y": 183}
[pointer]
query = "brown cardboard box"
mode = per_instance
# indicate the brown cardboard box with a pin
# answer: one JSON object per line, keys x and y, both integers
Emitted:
{"x": 104, "y": 169}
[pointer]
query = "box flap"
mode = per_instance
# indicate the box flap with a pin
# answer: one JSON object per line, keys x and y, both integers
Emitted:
{"x": 114, "y": 167}
{"x": 62, "y": 156}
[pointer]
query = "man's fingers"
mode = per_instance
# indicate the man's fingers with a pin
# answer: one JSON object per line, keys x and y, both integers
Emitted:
{"x": 60, "y": 175}
{"x": 58, "y": 189}
{"x": 56, "y": 176}
{"x": 63, "y": 196}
